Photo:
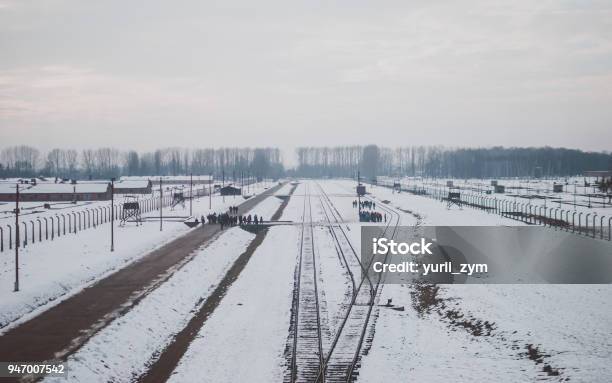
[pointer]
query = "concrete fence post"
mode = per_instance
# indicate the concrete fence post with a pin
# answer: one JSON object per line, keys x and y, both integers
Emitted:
{"x": 25, "y": 233}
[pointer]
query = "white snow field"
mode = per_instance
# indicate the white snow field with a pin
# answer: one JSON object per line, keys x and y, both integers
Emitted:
{"x": 266, "y": 208}
{"x": 244, "y": 339}
{"x": 465, "y": 333}
{"x": 122, "y": 350}
{"x": 295, "y": 208}
{"x": 284, "y": 190}
{"x": 432, "y": 212}
{"x": 539, "y": 192}
{"x": 570, "y": 325}
{"x": 335, "y": 291}
{"x": 52, "y": 271}
{"x": 335, "y": 281}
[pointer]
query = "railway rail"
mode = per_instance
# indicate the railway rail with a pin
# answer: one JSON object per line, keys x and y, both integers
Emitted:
{"x": 344, "y": 355}
{"x": 309, "y": 362}
{"x": 307, "y": 347}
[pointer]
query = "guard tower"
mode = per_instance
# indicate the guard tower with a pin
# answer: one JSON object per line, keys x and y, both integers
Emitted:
{"x": 454, "y": 198}
{"x": 130, "y": 211}
{"x": 361, "y": 190}
{"x": 177, "y": 198}
{"x": 397, "y": 187}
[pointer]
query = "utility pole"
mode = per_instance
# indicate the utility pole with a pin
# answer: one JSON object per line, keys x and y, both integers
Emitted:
{"x": 574, "y": 195}
{"x": 358, "y": 195}
{"x": 17, "y": 239}
{"x": 210, "y": 187}
{"x": 190, "y": 194}
{"x": 223, "y": 184}
{"x": 161, "y": 203}
{"x": 112, "y": 214}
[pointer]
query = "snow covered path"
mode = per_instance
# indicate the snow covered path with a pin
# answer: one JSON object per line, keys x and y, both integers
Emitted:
{"x": 244, "y": 339}
{"x": 53, "y": 271}
{"x": 97, "y": 306}
{"x": 123, "y": 349}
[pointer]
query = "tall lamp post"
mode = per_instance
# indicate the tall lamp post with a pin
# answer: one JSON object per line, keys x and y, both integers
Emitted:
{"x": 210, "y": 190}
{"x": 17, "y": 238}
{"x": 112, "y": 214}
{"x": 190, "y": 194}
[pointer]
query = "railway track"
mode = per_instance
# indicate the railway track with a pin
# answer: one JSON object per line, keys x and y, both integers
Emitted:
{"x": 308, "y": 361}
{"x": 306, "y": 347}
{"x": 344, "y": 356}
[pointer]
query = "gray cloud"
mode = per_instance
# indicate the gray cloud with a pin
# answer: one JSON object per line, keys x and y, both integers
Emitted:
{"x": 191, "y": 73}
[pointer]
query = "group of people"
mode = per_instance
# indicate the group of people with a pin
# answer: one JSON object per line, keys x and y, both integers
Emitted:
{"x": 371, "y": 216}
{"x": 247, "y": 220}
{"x": 233, "y": 209}
{"x": 225, "y": 219}
{"x": 364, "y": 204}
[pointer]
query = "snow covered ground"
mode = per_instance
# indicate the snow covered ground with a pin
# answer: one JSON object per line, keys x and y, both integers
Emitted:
{"x": 334, "y": 281}
{"x": 55, "y": 270}
{"x": 61, "y": 215}
{"x": 412, "y": 347}
{"x": 463, "y": 333}
{"x": 565, "y": 329}
{"x": 284, "y": 190}
{"x": 266, "y": 208}
{"x": 433, "y": 212}
{"x": 244, "y": 339}
{"x": 336, "y": 288}
{"x": 295, "y": 208}
{"x": 538, "y": 192}
{"x": 32, "y": 210}
{"x": 123, "y": 349}
{"x": 570, "y": 326}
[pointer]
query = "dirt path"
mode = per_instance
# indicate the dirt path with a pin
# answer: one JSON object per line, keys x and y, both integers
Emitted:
{"x": 276, "y": 216}
{"x": 62, "y": 329}
{"x": 163, "y": 367}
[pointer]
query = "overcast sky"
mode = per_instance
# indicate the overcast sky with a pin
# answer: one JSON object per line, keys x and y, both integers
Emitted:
{"x": 146, "y": 74}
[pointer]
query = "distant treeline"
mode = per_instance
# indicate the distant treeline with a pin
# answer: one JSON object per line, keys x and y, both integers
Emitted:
{"x": 104, "y": 163}
{"x": 339, "y": 161}
{"x": 436, "y": 161}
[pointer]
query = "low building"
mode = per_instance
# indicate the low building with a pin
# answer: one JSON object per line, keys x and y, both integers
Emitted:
{"x": 170, "y": 180}
{"x": 133, "y": 187}
{"x": 598, "y": 173}
{"x": 56, "y": 192}
{"x": 230, "y": 190}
